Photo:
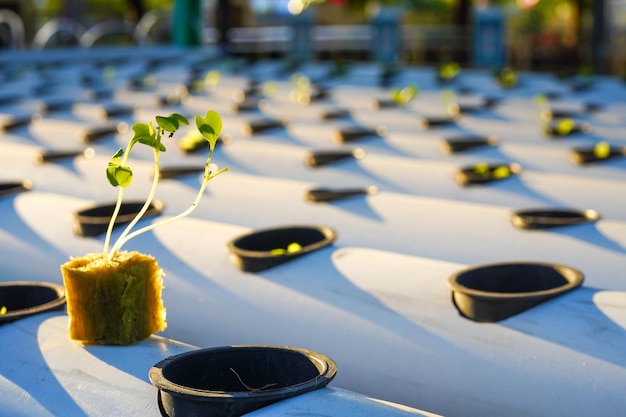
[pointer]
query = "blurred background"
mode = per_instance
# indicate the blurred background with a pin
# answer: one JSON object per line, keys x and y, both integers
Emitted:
{"x": 566, "y": 37}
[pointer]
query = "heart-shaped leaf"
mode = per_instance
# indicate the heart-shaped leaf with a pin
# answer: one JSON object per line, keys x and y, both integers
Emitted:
{"x": 210, "y": 126}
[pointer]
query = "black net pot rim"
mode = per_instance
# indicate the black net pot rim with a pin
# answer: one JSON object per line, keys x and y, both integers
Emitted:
{"x": 94, "y": 220}
{"x": 573, "y": 276}
{"x": 87, "y": 216}
{"x": 493, "y": 292}
{"x": 537, "y": 218}
{"x": 190, "y": 400}
{"x": 12, "y": 187}
{"x": 54, "y": 294}
{"x": 329, "y": 236}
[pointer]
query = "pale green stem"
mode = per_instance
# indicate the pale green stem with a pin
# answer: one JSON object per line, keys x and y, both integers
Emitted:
{"x": 118, "y": 205}
{"x": 122, "y": 238}
{"x": 207, "y": 177}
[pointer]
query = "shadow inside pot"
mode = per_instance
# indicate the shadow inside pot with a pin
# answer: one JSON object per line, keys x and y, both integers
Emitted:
{"x": 494, "y": 292}
{"x": 22, "y": 299}
{"x": 267, "y": 248}
{"x": 548, "y": 218}
{"x": 94, "y": 220}
{"x": 8, "y": 188}
{"x": 231, "y": 381}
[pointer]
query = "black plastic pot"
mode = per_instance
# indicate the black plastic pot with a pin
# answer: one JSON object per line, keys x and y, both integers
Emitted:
{"x": 180, "y": 171}
{"x": 94, "y": 220}
{"x": 102, "y": 111}
{"x": 582, "y": 156}
{"x": 261, "y": 125}
{"x": 250, "y": 104}
{"x": 430, "y": 122}
{"x": 13, "y": 187}
{"x": 23, "y": 299}
{"x": 466, "y": 143}
{"x": 491, "y": 101}
{"x": 104, "y": 131}
{"x": 51, "y": 155}
{"x": 550, "y": 114}
{"x": 457, "y": 109}
{"x": 327, "y": 194}
{"x": 232, "y": 381}
{"x": 335, "y": 114}
{"x": 551, "y": 128}
{"x": 494, "y": 292}
{"x": 264, "y": 249}
{"x": 354, "y": 133}
{"x": 481, "y": 174}
{"x": 14, "y": 122}
{"x": 546, "y": 218}
{"x": 379, "y": 104}
{"x": 316, "y": 159}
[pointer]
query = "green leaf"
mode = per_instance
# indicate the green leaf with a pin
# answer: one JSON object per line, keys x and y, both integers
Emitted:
{"x": 144, "y": 133}
{"x": 210, "y": 126}
{"x": 118, "y": 154}
{"x": 169, "y": 124}
{"x": 180, "y": 118}
{"x": 119, "y": 175}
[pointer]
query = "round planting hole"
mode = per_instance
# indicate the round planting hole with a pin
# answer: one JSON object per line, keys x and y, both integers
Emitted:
{"x": 22, "y": 299}
{"x": 234, "y": 380}
{"x": 95, "y": 220}
{"x": 484, "y": 173}
{"x": 494, "y": 292}
{"x": 264, "y": 249}
{"x": 13, "y": 187}
{"x": 545, "y": 218}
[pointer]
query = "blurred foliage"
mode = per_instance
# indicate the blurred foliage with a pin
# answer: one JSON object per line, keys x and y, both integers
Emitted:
{"x": 96, "y": 10}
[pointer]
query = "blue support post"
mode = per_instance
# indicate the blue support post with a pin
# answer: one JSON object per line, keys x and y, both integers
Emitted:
{"x": 488, "y": 39}
{"x": 187, "y": 23}
{"x": 301, "y": 44}
{"x": 386, "y": 36}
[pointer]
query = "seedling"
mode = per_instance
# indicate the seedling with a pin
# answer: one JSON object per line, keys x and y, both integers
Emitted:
{"x": 302, "y": 89}
{"x": 448, "y": 71}
{"x": 602, "y": 150}
{"x": 507, "y": 77}
{"x": 565, "y": 126}
{"x": 120, "y": 174}
{"x": 293, "y": 247}
{"x": 403, "y": 96}
{"x": 501, "y": 171}
{"x": 212, "y": 78}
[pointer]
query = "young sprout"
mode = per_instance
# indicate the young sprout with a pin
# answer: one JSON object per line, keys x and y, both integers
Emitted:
{"x": 507, "y": 77}
{"x": 302, "y": 91}
{"x": 270, "y": 88}
{"x": 120, "y": 174}
{"x": 602, "y": 150}
{"x": 565, "y": 126}
{"x": 483, "y": 169}
{"x": 211, "y": 79}
{"x": 293, "y": 247}
{"x": 449, "y": 71}
{"x": 502, "y": 171}
{"x": 403, "y": 96}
